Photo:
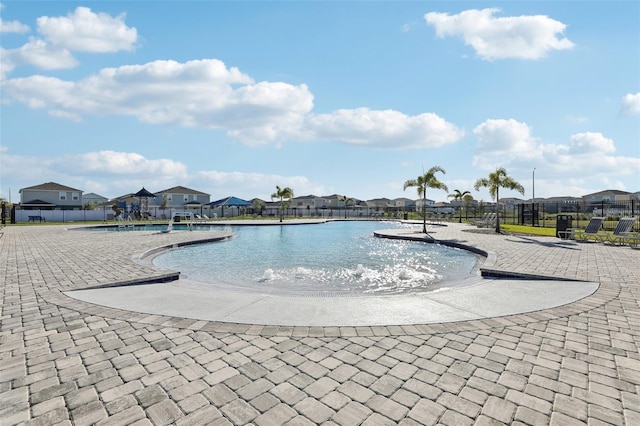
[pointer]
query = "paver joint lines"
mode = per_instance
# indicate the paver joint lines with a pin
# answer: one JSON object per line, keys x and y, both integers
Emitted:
{"x": 63, "y": 360}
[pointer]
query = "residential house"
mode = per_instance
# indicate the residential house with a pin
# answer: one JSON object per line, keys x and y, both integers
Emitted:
{"x": 510, "y": 203}
{"x": 49, "y": 196}
{"x": 562, "y": 204}
{"x": 180, "y": 197}
{"x": 607, "y": 196}
{"x": 404, "y": 204}
{"x": 609, "y": 202}
{"x": 307, "y": 205}
{"x": 426, "y": 203}
{"x": 380, "y": 206}
{"x": 442, "y": 207}
{"x": 336, "y": 205}
{"x": 94, "y": 199}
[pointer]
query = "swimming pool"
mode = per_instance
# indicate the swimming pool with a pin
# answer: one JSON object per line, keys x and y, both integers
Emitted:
{"x": 337, "y": 258}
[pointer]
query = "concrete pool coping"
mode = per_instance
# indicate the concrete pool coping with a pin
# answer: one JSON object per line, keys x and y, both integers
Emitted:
{"x": 499, "y": 293}
{"x": 482, "y": 298}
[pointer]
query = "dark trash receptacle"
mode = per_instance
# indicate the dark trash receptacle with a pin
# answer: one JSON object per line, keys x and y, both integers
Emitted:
{"x": 563, "y": 223}
{"x": 406, "y": 216}
{"x": 176, "y": 218}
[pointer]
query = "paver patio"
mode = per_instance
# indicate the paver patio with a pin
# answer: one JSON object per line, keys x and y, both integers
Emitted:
{"x": 63, "y": 361}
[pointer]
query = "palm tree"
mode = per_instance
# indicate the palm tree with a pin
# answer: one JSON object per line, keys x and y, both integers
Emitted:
{"x": 466, "y": 202}
{"x": 346, "y": 200}
{"x": 426, "y": 180}
{"x": 458, "y": 196}
{"x": 285, "y": 195}
{"x": 494, "y": 182}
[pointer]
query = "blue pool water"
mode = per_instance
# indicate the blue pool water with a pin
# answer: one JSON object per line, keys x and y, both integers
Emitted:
{"x": 331, "y": 257}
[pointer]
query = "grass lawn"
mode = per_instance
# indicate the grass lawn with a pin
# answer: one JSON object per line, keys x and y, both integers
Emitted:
{"x": 529, "y": 230}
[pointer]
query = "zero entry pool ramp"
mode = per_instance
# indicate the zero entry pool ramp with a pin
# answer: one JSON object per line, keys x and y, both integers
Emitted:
{"x": 492, "y": 293}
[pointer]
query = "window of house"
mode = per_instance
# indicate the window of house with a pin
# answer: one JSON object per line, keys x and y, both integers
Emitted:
{"x": 168, "y": 197}
{"x": 186, "y": 198}
{"x": 75, "y": 196}
{"x": 63, "y": 196}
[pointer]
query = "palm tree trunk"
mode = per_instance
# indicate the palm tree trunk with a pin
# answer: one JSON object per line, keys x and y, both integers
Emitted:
{"x": 498, "y": 210}
{"x": 424, "y": 211}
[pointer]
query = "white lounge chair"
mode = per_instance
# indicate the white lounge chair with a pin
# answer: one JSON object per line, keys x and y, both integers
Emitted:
{"x": 486, "y": 221}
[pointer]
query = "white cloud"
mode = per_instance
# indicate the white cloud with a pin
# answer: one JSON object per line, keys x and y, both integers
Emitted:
{"x": 82, "y": 30}
{"x": 386, "y": 129}
{"x": 86, "y": 31}
{"x": 113, "y": 173}
{"x": 207, "y": 94}
{"x": 41, "y": 54}
{"x": 631, "y": 104}
{"x": 13, "y": 27}
{"x": 6, "y": 64}
{"x": 39, "y": 92}
{"x": 588, "y": 155}
{"x": 107, "y": 163}
{"x": 521, "y": 37}
{"x": 124, "y": 163}
{"x": 590, "y": 144}
{"x": 125, "y": 171}
{"x": 503, "y": 141}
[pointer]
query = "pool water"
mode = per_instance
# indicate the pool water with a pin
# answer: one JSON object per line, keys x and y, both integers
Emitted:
{"x": 335, "y": 257}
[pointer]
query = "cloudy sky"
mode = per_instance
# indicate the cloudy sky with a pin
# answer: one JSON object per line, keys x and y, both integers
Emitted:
{"x": 350, "y": 98}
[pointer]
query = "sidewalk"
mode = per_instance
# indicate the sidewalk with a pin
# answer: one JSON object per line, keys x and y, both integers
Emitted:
{"x": 65, "y": 361}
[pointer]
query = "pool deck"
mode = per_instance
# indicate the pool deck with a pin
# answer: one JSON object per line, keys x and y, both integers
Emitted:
{"x": 67, "y": 361}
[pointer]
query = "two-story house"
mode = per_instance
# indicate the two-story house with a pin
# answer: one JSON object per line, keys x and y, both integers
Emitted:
{"x": 405, "y": 204}
{"x": 608, "y": 202}
{"x": 93, "y": 199}
{"x": 49, "y": 196}
{"x": 180, "y": 197}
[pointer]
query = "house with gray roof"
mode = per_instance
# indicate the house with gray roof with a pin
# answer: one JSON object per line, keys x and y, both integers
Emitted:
{"x": 49, "y": 196}
{"x": 180, "y": 197}
{"x": 608, "y": 195}
{"x": 94, "y": 198}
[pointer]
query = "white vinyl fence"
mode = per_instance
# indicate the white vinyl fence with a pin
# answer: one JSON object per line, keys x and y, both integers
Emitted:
{"x": 102, "y": 215}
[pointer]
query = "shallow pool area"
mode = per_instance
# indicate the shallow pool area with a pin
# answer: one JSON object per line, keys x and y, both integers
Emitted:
{"x": 336, "y": 258}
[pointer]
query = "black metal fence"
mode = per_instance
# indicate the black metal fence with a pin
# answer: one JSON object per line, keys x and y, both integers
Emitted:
{"x": 545, "y": 214}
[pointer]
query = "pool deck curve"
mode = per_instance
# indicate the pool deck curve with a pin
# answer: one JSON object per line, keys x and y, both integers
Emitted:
{"x": 66, "y": 361}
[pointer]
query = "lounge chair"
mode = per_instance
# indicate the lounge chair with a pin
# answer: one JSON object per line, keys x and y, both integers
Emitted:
{"x": 486, "y": 221}
{"x": 622, "y": 233}
{"x": 591, "y": 231}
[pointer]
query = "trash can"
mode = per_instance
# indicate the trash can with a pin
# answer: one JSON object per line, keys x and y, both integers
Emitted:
{"x": 176, "y": 218}
{"x": 406, "y": 216}
{"x": 563, "y": 223}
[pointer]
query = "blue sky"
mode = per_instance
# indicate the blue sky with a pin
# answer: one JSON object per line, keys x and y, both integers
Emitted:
{"x": 350, "y": 98}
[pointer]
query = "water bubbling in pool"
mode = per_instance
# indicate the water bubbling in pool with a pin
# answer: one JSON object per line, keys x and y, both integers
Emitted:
{"x": 334, "y": 257}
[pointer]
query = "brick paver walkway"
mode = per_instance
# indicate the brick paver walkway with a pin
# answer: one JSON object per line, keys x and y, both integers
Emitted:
{"x": 63, "y": 361}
